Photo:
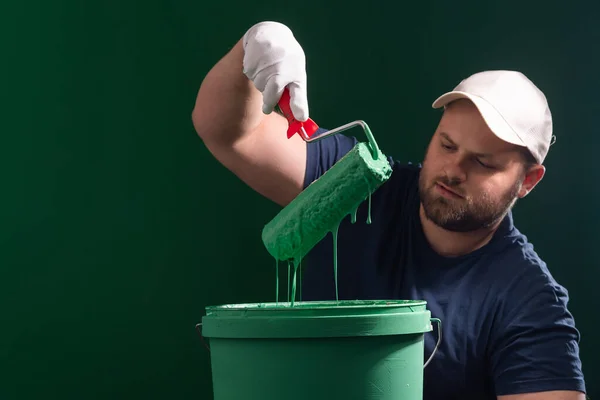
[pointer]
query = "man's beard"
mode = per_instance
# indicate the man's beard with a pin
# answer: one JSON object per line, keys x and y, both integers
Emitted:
{"x": 464, "y": 214}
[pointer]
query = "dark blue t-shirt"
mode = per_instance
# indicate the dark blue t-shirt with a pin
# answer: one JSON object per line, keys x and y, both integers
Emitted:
{"x": 505, "y": 323}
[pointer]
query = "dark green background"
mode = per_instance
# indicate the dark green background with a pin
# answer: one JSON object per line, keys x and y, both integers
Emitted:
{"x": 112, "y": 211}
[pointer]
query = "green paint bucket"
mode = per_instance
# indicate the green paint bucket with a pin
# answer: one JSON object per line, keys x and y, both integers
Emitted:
{"x": 318, "y": 350}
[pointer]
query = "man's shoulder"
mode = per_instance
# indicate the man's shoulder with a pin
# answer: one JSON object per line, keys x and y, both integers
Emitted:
{"x": 522, "y": 280}
{"x": 529, "y": 320}
{"x": 521, "y": 251}
{"x": 516, "y": 258}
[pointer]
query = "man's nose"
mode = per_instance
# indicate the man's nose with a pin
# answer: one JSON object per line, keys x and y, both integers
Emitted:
{"x": 455, "y": 169}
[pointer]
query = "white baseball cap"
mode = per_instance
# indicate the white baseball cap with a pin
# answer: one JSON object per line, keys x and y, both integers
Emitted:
{"x": 511, "y": 105}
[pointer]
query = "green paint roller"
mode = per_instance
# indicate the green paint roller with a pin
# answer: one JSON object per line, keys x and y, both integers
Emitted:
{"x": 319, "y": 208}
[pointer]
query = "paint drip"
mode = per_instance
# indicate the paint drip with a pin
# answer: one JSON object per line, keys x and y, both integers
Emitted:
{"x": 294, "y": 270}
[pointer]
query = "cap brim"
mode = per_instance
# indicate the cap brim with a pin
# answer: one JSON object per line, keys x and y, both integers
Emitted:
{"x": 490, "y": 115}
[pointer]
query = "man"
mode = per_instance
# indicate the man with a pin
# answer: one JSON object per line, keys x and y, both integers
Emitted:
{"x": 442, "y": 232}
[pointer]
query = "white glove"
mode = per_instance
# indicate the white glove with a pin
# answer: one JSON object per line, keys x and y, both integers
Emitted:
{"x": 273, "y": 59}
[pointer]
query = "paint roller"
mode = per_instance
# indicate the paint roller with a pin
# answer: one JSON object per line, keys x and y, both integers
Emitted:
{"x": 323, "y": 204}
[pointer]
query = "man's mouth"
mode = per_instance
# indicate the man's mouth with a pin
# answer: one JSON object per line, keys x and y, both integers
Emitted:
{"x": 446, "y": 191}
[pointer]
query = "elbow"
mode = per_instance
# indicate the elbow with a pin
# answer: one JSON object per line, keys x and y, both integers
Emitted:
{"x": 199, "y": 124}
{"x": 205, "y": 128}
{"x": 195, "y": 123}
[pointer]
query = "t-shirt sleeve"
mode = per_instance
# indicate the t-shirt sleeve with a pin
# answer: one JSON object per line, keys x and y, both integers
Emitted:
{"x": 322, "y": 154}
{"x": 536, "y": 346}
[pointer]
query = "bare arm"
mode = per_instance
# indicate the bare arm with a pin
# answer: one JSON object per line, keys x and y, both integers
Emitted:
{"x": 228, "y": 118}
{"x": 553, "y": 395}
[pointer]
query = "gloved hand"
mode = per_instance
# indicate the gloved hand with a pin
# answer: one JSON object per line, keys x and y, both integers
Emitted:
{"x": 273, "y": 59}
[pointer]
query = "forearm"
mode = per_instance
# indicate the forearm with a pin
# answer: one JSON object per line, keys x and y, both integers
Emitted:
{"x": 228, "y": 105}
{"x": 234, "y": 114}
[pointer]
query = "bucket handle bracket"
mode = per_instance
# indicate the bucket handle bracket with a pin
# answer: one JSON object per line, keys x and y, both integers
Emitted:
{"x": 439, "y": 340}
{"x": 199, "y": 329}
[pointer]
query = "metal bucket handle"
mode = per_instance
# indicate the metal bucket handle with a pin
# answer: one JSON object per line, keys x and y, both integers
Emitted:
{"x": 437, "y": 345}
{"x": 198, "y": 328}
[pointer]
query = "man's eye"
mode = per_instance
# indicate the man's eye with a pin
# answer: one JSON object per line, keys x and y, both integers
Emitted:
{"x": 447, "y": 147}
{"x": 484, "y": 164}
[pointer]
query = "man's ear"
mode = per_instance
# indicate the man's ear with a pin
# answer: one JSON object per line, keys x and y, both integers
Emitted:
{"x": 533, "y": 176}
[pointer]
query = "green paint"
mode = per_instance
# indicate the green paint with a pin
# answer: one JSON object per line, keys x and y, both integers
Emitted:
{"x": 295, "y": 270}
{"x": 369, "y": 214}
{"x": 250, "y": 343}
{"x": 335, "y": 261}
{"x": 293, "y": 297}
{"x": 319, "y": 208}
{"x": 277, "y": 281}
{"x": 288, "y": 286}
{"x": 296, "y": 282}
{"x": 300, "y": 279}
{"x": 344, "y": 306}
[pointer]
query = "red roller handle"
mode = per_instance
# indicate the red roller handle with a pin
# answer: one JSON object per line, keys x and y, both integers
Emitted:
{"x": 306, "y": 129}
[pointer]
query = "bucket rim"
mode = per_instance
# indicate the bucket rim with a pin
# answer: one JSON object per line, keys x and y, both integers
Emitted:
{"x": 324, "y": 305}
{"x": 317, "y": 319}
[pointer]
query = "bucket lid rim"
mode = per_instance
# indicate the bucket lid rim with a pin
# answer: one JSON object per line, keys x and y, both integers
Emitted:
{"x": 317, "y": 305}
